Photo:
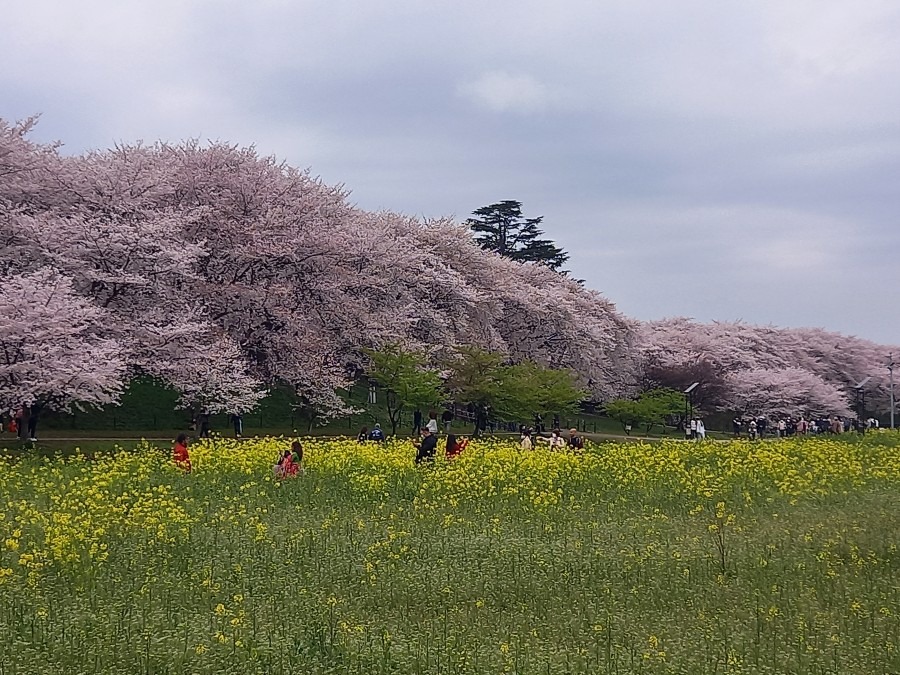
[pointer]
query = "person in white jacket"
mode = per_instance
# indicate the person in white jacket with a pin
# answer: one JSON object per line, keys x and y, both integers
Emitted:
{"x": 701, "y": 430}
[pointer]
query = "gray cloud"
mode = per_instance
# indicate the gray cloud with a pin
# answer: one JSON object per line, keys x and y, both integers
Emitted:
{"x": 716, "y": 160}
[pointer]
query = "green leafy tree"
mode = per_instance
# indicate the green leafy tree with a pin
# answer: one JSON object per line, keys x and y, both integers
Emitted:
{"x": 484, "y": 382}
{"x": 625, "y": 411}
{"x": 651, "y": 408}
{"x": 405, "y": 379}
{"x": 476, "y": 381}
{"x": 535, "y": 389}
{"x": 502, "y": 228}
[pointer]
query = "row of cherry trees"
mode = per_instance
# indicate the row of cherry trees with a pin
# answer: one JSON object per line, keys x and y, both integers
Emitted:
{"x": 222, "y": 272}
{"x": 765, "y": 369}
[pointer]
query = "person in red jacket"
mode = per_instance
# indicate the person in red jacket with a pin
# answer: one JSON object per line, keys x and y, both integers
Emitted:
{"x": 455, "y": 447}
{"x": 180, "y": 453}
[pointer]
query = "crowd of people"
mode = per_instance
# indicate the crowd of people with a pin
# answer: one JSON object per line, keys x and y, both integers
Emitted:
{"x": 760, "y": 427}
{"x": 528, "y": 438}
{"x": 426, "y": 437}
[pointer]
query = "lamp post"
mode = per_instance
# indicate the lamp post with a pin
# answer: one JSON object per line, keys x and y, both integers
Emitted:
{"x": 861, "y": 402}
{"x": 689, "y": 401}
{"x": 891, "y": 371}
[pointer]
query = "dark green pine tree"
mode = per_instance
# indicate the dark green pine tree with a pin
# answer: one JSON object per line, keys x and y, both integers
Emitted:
{"x": 502, "y": 228}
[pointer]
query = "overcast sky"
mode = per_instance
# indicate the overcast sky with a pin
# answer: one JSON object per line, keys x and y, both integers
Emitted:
{"x": 714, "y": 159}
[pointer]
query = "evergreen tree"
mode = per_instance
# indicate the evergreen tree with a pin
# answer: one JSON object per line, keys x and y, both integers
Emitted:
{"x": 502, "y": 228}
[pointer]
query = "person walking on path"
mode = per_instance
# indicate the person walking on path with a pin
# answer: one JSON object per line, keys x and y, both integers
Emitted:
{"x": 238, "y": 421}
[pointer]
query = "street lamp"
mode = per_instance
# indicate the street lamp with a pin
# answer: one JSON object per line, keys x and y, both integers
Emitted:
{"x": 891, "y": 371}
{"x": 689, "y": 400}
{"x": 861, "y": 400}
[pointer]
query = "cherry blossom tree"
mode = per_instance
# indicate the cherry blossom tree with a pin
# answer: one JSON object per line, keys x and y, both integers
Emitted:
{"x": 788, "y": 392}
{"x": 732, "y": 348}
{"x": 55, "y": 349}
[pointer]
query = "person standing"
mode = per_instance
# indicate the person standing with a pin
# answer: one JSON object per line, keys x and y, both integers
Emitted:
{"x": 180, "y": 453}
{"x": 701, "y": 430}
{"x": 576, "y": 442}
{"x": 417, "y": 422}
{"x": 20, "y": 423}
{"x": 447, "y": 419}
{"x": 432, "y": 425}
{"x": 557, "y": 442}
{"x": 204, "y": 424}
{"x": 238, "y": 421}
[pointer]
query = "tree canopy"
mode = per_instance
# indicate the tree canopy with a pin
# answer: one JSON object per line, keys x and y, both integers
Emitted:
{"x": 650, "y": 408}
{"x": 503, "y": 229}
{"x": 406, "y": 380}
{"x": 224, "y": 273}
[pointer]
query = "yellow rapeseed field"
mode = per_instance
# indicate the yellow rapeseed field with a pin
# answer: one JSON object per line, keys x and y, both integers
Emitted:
{"x": 674, "y": 557}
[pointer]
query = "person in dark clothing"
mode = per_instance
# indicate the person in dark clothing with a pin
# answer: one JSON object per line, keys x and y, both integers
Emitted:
{"x": 363, "y": 435}
{"x": 33, "y": 420}
{"x": 377, "y": 434}
{"x": 238, "y": 421}
{"x": 455, "y": 447}
{"x": 21, "y": 423}
{"x": 576, "y": 442}
{"x": 417, "y": 422}
{"x": 426, "y": 448}
{"x": 204, "y": 424}
{"x": 447, "y": 418}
